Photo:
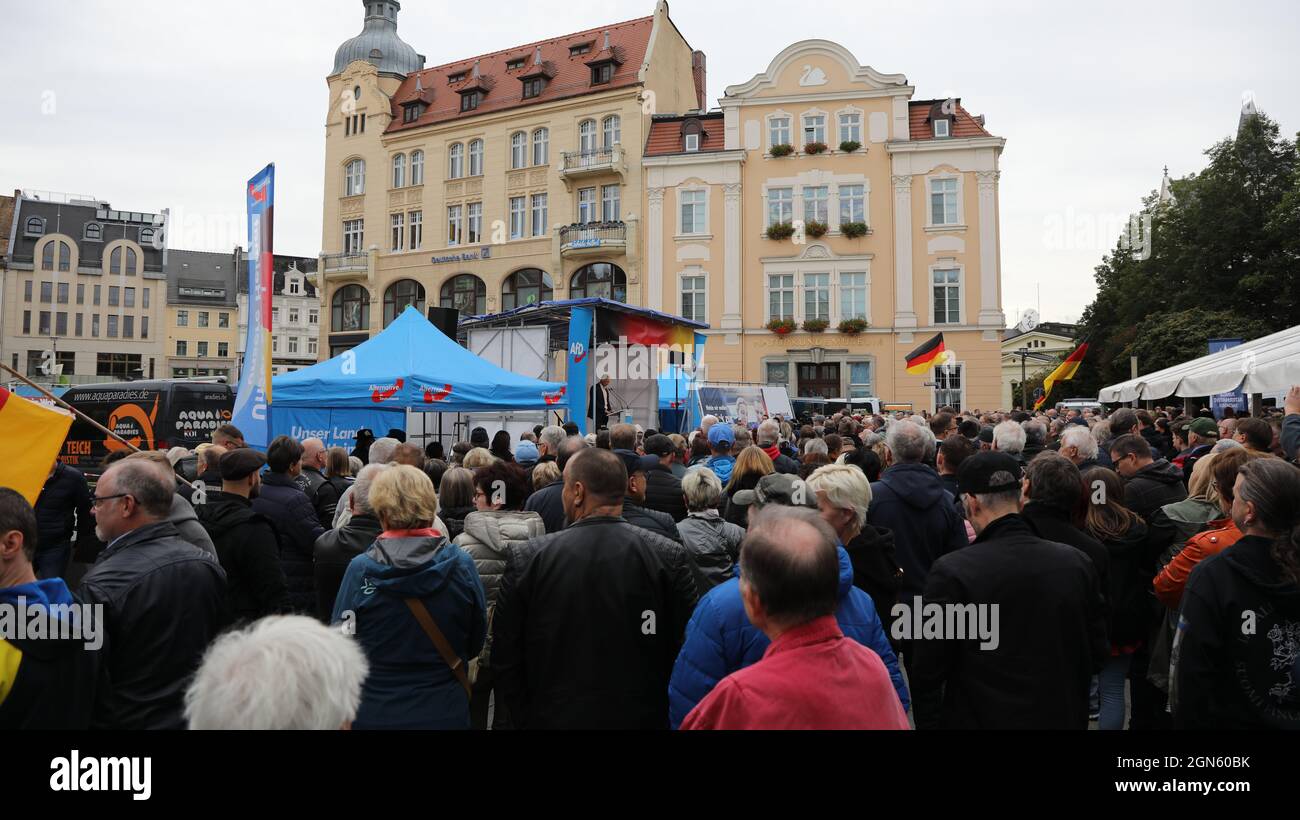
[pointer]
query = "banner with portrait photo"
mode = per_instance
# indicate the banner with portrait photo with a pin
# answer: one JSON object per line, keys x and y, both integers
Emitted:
{"x": 737, "y": 405}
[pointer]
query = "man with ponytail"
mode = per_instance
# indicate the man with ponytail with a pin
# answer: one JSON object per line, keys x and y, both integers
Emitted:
{"x": 1235, "y": 659}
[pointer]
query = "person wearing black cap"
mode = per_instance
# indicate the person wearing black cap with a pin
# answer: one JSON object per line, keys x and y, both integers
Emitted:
{"x": 660, "y": 523}
{"x": 663, "y": 490}
{"x": 246, "y": 541}
{"x": 365, "y": 438}
{"x": 478, "y": 437}
{"x": 1048, "y": 630}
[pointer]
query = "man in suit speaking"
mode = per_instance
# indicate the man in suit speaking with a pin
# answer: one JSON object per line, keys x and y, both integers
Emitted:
{"x": 598, "y": 404}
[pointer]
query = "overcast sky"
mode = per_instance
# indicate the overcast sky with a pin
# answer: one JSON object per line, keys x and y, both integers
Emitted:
{"x": 177, "y": 104}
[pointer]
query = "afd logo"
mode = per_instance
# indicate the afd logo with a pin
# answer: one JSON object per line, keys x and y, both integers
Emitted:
{"x": 578, "y": 351}
{"x": 257, "y": 193}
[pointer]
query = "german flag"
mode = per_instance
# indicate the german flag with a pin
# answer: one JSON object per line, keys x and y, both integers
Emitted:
{"x": 33, "y": 435}
{"x": 920, "y": 361}
{"x": 1063, "y": 373}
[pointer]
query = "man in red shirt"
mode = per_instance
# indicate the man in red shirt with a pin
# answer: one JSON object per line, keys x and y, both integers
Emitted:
{"x": 811, "y": 676}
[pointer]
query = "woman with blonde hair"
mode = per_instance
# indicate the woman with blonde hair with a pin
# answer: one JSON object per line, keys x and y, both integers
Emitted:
{"x": 751, "y": 465}
{"x": 478, "y": 457}
{"x": 415, "y": 604}
{"x": 548, "y": 472}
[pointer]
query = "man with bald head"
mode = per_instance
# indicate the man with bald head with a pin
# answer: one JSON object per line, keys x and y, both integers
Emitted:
{"x": 589, "y": 619}
{"x": 313, "y": 468}
{"x": 811, "y": 676}
{"x": 164, "y": 600}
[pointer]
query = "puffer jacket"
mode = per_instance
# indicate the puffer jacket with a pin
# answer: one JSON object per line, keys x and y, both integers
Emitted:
{"x": 721, "y": 640}
{"x": 663, "y": 492}
{"x": 487, "y": 537}
{"x": 327, "y": 497}
{"x": 657, "y": 522}
{"x": 298, "y": 527}
{"x": 410, "y": 686}
{"x": 454, "y": 519}
{"x": 1155, "y": 485}
{"x": 713, "y": 543}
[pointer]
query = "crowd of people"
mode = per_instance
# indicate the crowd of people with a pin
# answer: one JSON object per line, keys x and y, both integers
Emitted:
{"x": 1139, "y": 569}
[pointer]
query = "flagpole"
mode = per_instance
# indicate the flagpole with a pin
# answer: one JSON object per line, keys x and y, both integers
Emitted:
{"x": 66, "y": 406}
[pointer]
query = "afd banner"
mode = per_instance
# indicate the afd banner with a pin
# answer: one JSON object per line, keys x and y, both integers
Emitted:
{"x": 337, "y": 427}
{"x": 253, "y": 396}
{"x": 580, "y": 324}
{"x": 1235, "y": 399}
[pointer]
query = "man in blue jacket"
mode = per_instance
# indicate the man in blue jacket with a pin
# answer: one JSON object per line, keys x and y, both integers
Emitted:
{"x": 721, "y": 640}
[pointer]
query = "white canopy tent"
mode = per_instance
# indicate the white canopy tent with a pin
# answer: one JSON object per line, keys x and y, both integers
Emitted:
{"x": 1267, "y": 365}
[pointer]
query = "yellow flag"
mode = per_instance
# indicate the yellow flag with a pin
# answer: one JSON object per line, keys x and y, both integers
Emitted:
{"x": 31, "y": 436}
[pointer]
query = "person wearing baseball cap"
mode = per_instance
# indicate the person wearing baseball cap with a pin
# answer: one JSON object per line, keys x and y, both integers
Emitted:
{"x": 1202, "y": 435}
{"x": 775, "y": 488}
{"x": 722, "y": 461}
{"x": 1031, "y": 663}
{"x": 663, "y": 489}
{"x": 634, "y": 510}
{"x": 245, "y": 540}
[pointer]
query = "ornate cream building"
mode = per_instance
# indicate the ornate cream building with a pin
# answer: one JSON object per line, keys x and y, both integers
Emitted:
{"x": 893, "y": 206}
{"x": 494, "y": 181}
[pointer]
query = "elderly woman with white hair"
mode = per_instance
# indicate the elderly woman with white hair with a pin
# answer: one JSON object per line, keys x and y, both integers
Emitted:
{"x": 282, "y": 672}
{"x": 714, "y": 543}
{"x": 415, "y": 603}
{"x": 843, "y": 497}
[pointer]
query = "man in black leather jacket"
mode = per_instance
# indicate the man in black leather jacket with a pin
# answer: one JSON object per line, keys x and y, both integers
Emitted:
{"x": 336, "y": 548}
{"x": 657, "y": 522}
{"x": 164, "y": 599}
{"x": 663, "y": 490}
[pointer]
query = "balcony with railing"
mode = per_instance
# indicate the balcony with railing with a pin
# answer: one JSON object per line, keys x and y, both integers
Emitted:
{"x": 342, "y": 265}
{"x": 575, "y": 164}
{"x": 593, "y": 237}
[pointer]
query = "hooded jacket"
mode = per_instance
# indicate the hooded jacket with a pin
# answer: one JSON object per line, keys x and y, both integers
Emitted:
{"x": 1226, "y": 677}
{"x": 1152, "y": 487}
{"x": 294, "y": 517}
{"x": 876, "y": 571}
{"x": 185, "y": 519}
{"x": 910, "y": 500}
{"x": 721, "y": 640}
{"x": 721, "y": 467}
{"x": 663, "y": 492}
{"x": 334, "y": 551}
{"x": 249, "y": 551}
{"x": 1184, "y": 519}
{"x": 409, "y": 685}
{"x": 164, "y": 602}
{"x": 47, "y": 683}
{"x": 713, "y": 543}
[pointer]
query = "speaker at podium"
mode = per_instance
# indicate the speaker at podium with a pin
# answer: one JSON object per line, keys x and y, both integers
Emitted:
{"x": 446, "y": 320}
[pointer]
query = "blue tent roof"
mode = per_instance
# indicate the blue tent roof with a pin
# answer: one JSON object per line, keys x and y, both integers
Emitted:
{"x": 412, "y": 364}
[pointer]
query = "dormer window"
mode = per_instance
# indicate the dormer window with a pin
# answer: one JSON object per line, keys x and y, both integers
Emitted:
{"x": 941, "y": 128}
{"x": 413, "y": 111}
{"x": 455, "y": 78}
{"x": 580, "y": 49}
{"x": 692, "y": 142}
{"x": 533, "y": 87}
{"x": 602, "y": 74}
{"x": 94, "y": 232}
{"x": 470, "y": 100}
{"x": 35, "y": 227}
{"x": 515, "y": 65}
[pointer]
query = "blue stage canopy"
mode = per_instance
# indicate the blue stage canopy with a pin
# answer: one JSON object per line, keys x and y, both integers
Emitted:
{"x": 411, "y": 364}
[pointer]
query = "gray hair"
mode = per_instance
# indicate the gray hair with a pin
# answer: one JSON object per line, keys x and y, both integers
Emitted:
{"x": 143, "y": 480}
{"x": 1101, "y": 432}
{"x": 702, "y": 489}
{"x": 1035, "y": 433}
{"x": 1080, "y": 437}
{"x": 768, "y": 432}
{"x": 815, "y": 445}
{"x": 908, "y": 442}
{"x": 552, "y": 437}
{"x": 846, "y": 488}
{"x": 1225, "y": 444}
{"x": 282, "y": 672}
{"x": 356, "y": 464}
{"x": 361, "y": 487}
{"x": 1009, "y": 437}
{"x": 381, "y": 452}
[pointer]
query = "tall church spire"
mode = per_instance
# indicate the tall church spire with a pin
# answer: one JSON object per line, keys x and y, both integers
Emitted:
{"x": 1166, "y": 189}
{"x": 1248, "y": 112}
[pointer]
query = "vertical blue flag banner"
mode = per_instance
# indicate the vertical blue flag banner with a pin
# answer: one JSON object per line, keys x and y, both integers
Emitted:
{"x": 1236, "y": 399}
{"x": 253, "y": 396}
{"x": 581, "y": 320}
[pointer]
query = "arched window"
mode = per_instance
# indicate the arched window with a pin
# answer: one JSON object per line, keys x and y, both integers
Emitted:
{"x": 35, "y": 226}
{"x": 518, "y": 150}
{"x": 399, "y": 171}
{"x": 351, "y": 309}
{"x": 147, "y": 235}
{"x": 400, "y": 294}
{"x": 455, "y": 161}
{"x": 47, "y": 256}
{"x": 587, "y": 136}
{"x": 476, "y": 158}
{"x": 417, "y": 167}
{"x": 94, "y": 232}
{"x": 130, "y": 261}
{"x": 599, "y": 280}
{"x": 526, "y": 287}
{"x": 355, "y": 177}
{"x": 541, "y": 146}
{"x": 465, "y": 293}
{"x": 115, "y": 261}
{"x": 65, "y": 256}
{"x": 613, "y": 131}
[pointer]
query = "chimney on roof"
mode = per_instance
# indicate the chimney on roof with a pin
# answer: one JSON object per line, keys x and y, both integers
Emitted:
{"x": 537, "y": 56}
{"x": 476, "y": 74}
{"x": 419, "y": 86}
{"x": 700, "y": 74}
{"x": 606, "y": 46}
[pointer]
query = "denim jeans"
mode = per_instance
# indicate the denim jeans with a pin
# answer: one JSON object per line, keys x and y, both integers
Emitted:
{"x": 1113, "y": 677}
{"x": 52, "y": 562}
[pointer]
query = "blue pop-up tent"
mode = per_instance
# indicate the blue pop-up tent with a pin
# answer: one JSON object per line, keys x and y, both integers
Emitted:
{"x": 412, "y": 365}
